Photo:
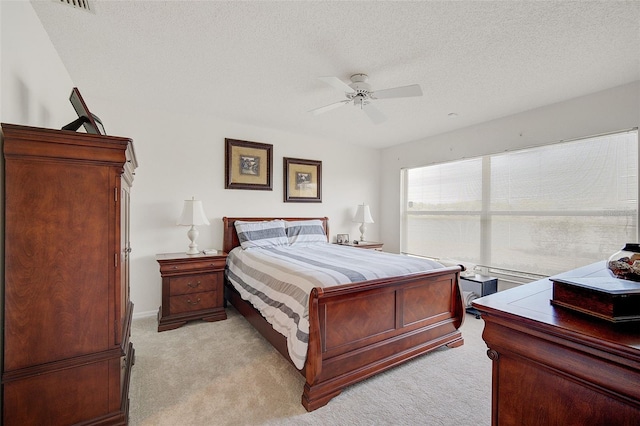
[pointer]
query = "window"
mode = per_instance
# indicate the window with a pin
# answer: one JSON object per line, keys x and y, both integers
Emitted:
{"x": 542, "y": 210}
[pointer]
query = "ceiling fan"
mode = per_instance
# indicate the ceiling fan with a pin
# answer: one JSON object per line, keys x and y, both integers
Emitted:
{"x": 359, "y": 92}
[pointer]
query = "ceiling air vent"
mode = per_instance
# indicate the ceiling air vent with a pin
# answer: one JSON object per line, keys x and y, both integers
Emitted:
{"x": 77, "y": 4}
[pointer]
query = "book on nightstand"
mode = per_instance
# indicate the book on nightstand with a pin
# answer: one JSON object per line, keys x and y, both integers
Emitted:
{"x": 210, "y": 251}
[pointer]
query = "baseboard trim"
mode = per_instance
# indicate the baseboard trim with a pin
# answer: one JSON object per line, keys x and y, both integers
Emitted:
{"x": 147, "y": 314}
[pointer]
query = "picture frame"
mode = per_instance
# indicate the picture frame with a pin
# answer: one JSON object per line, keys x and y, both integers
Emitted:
{"x": 248, "y": 165}
{"x": 342, "y": 238}
{"x": 92, "y": 124}
{"x": 302, "y": 180}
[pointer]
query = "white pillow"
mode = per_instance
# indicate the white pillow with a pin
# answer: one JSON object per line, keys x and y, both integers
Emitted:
{"x": 305, "y": 231}
{"x": 261, "y": 234}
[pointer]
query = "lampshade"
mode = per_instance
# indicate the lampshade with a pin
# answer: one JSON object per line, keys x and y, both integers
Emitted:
{"x": 363, "y": 215}
{"x": 193, "y": 213}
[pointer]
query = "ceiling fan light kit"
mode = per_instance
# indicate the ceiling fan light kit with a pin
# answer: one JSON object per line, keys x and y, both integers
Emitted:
{"x": 359, "y": 92}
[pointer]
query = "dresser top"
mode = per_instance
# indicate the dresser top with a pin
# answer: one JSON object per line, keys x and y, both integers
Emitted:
{"x": 529, "y": 306}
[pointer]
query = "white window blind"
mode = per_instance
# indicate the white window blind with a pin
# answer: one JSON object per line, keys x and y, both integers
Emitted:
{"x": 542, "y": 210}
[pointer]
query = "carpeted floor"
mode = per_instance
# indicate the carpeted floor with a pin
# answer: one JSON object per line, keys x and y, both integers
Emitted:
{"x": 225, "y": 373}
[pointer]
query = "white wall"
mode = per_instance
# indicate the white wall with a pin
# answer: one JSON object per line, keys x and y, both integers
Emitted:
{"x": 179, "y": 157}
{"x": 610, "y": 110}
{"x": 35, "y": 83}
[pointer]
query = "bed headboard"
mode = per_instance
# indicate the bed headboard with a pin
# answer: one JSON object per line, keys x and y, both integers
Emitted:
{"x": 230, "y": 237}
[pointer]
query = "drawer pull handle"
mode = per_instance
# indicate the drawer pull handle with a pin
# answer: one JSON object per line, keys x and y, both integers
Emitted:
{"x": 174, "y": 267}
{"x": 193, "y": 303}
{"x": 192, "y": 285}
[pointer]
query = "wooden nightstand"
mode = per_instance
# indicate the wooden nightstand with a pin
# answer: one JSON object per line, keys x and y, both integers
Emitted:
{"x": 192, "y": 288}
{"x": 365, "y": 244}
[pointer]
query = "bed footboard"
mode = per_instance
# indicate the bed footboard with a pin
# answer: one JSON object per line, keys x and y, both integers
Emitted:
{"x": 357, "y": 331}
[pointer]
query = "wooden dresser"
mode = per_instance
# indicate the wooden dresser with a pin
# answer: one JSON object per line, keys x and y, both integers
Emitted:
{"x": 553, "y": 366}
{"x": 67, "y": 313}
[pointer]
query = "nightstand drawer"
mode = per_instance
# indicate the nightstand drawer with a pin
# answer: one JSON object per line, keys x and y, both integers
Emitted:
{"x": 192, "y": 302}
{"x": 192, "y": 266}
{"x": 193, "y": 284}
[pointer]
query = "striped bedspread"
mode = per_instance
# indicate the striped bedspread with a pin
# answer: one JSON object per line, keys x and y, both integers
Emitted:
{"x": 278, "y": 281}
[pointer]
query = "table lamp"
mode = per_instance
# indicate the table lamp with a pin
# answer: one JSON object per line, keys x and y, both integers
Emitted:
{"x": 363, "y": 216}
{"x": 192, "y": 215}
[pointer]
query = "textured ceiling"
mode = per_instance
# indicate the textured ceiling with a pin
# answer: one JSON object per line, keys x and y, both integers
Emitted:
{"x": 258, "y": 62}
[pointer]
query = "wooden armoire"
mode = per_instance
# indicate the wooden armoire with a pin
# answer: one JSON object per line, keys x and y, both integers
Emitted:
{"x": 66, "y": 352}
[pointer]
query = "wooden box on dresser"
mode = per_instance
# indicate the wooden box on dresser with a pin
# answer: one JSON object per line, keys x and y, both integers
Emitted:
{"x": 67, "y": 315}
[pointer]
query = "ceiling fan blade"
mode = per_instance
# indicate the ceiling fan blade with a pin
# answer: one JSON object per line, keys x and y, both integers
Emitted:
{"x": 337, "y": 83}
{"x": 373, "y": 113}
{"x": 329, "y": 107}
{"x": 398, "y": 92}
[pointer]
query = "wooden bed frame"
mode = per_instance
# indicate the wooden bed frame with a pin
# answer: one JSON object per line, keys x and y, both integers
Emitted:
{"x": 360, "y": 329}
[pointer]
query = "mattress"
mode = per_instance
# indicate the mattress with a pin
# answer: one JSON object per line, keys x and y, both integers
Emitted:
{"x": 278, "y": 280}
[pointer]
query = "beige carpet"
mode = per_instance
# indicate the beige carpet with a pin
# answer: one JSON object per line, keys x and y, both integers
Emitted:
{"x": 225, "y": 373}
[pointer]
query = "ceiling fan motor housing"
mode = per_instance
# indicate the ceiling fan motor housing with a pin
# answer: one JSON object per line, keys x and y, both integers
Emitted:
{"x": 362, "y": 89}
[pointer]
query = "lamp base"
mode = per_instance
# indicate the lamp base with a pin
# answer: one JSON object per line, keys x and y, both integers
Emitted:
{"x": 363, "y": 228}
{"x": 193, "y": 235}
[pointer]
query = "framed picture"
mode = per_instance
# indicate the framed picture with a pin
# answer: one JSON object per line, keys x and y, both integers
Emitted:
{"x": 92, "y": 124}
{"x": 248, "y": 165}
{"x": 302, "y": 180}
{"x": 342, "y": 239}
